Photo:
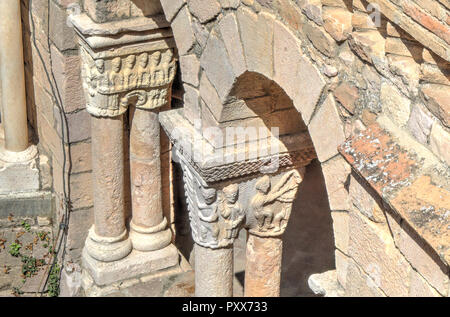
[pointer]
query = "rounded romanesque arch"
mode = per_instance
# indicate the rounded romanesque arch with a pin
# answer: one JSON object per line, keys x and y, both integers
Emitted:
{"x": 261, "y": 44}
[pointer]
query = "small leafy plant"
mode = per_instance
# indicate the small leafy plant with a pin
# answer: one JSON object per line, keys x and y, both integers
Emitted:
{"x": 53, "y": 281}
{"x": 14, "y": 249}
{"x": 26, "y": 226}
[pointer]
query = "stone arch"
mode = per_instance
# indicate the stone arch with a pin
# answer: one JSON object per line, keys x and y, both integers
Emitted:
{"x": 258, "y": 43}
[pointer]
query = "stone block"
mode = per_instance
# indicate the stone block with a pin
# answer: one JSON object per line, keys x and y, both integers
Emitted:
{"x": 440, "y": 142}
{"x": 341, "y": 267}
{"x": 420, "y": 288}
{"x": 326, "y": 141}
{"x": 217, "y": 66}
{"x": 420, "y": 123}
{"x": 337, "y": 22}
{"x": 359, "y": 284}
{"x": 367, "y": 45}
{"x": 134, "y": 265}
{"x": 395, "y": 104}
{"x": 204, "y": 10}
{"x": 435, "y": 74}
{"x": 171, "y": 8}
{"x": 61, "y": 34}
{"x": 341, "y": 230}
{"x": 78, "y": 125}
{"x": 373, "y": 249}
{"x": 300, "y": 79}
{"x": 257, "y": 38}
{"x": 320, "y": 39}
{"x": 192, "y": 109}
{"x": 183, "y": 32}
{"x": 437, "y": 99}
{"x": 230, "y": 31}
{"x": 190, "y": 69}
{"x": 336, "y": 172}
{"x": 347, "y": 95}
{"x": 313, "y": 10}
{"x": 364, "y": 201}
{"x": 209, "y": 95}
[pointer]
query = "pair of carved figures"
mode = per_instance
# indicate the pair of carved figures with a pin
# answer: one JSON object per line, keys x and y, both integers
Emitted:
{"x": 217, "y": 215}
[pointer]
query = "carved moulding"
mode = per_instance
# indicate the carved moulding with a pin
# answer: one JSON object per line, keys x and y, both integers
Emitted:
{"x": 122, "y": 67}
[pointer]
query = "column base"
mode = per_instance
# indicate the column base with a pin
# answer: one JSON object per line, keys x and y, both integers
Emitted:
{"x": 134, "y": 265}
{"x": 150, "y": 239}
{"x": 19, "y": 171}
{"x": 107, "y": 249}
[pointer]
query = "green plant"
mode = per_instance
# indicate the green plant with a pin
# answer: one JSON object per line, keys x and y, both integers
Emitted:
{"x": 14, "y": 249}
{"x": 26, "y": 225}
{"x": 29, "y": 265}
{"x": 53, "y": 281}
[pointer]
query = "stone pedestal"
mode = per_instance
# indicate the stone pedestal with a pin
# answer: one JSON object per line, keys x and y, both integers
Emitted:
{"x": 226, "y": 191}
{"x": 126, "y": 65}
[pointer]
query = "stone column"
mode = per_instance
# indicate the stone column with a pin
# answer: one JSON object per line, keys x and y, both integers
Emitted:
{"x": 149, "y": 229}
{"x": 216, "y": 217}
{"x": 126, "y": 66}
{"x": 108, "y": 238}
{"x": 12, "y": 77}
{"x": 270, "y": 209}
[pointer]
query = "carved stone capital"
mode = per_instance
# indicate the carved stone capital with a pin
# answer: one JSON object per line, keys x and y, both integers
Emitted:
{"x": 125, "y": 65}
{"x": 215, "y": 213}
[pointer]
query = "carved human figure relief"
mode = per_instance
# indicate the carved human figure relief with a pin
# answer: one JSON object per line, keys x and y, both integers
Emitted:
{"x": 215, "y": 214}
{"x": 271, "y": 206}
{"x": 130, "y": 76}
{"x": 143, "y": 73}
{"x": 115, "y": 76}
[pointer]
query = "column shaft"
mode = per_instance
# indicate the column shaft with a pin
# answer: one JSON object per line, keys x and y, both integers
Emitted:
{"x": 213, "y": 272}
{"x": 108, "y": 175}
{"x": 12, "y": 77}
{"x": 148, "y": 227}
{"x": 263, "y": 266}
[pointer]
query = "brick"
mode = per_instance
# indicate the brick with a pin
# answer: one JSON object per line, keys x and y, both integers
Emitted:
{"x": 420, "y": 123}
{"x": 190, "y": 69}
{"x": 336, "y": 172}
{"x": 326, "y": 141}
{"x": 394, "y": 104}
{"x": 437, "y": 99}
{"x": 440, "y": 142}
{"x": 171, "y": 8}
{"x": 182, "y": 31}
{"x": 320, "y": 39}
{"x": 300, "y": 79}
{"x": 204, "y": 10}
{"x": 257, "y": 38}
{"x": 217, "y": 66}
{"x": 337, "y": 22}
{"x": 229, "y": 31}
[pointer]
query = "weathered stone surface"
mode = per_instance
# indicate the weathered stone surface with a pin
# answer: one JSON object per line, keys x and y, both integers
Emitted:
{"x": 440, "y": 142}
{"x": 347, "y": 95}
{"x": 210, "y": 97}
{"x": 438, "y": 101}
{"x": 341, "y": 267}
{"x": 336, "y": 172}
{"x": 217, "y": 66}
{"x": 298, "y": 77}
{"x": 359, "y": 284}
{"x": 363, "y": 201}
{"x": 182, "y": 31}
{"x": 230, "y": 31}
{"x": 341, "y": 230}
{"x": 367, "y": 44}
{"x": 372, "y": 247}
{"x": 191, "y": 100}
{"x": 337, "y": 22}
{"x": 171, "y": 8}
{"x": 326, "y": 141}
{"x": 204, "y": 10}
{"x": 320, "y": 39}
{"x": 420, "y": 124}
{"x": 420, "y": 288}
{"x": 190, "y": 69}
{"x": 227, "y": 4}
{"x": 257, "y": 40}
{"x": 394, "y": 104}
{"x": 313, "y": 10}
{"x": 325, "y": 284}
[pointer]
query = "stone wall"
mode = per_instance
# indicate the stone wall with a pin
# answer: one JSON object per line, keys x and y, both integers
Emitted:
{"x": 347, "y": 70}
